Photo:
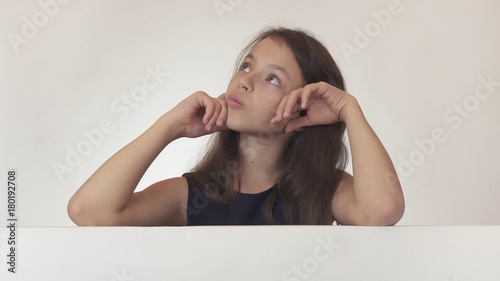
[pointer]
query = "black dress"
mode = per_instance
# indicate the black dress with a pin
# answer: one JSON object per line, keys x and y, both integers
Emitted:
{"x": 245, "y": 209}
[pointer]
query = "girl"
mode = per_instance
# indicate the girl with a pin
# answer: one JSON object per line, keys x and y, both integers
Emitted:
{"x": 277, "y": 158}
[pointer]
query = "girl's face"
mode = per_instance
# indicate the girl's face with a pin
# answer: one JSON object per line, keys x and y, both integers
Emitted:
{"x": 267, "y": 74}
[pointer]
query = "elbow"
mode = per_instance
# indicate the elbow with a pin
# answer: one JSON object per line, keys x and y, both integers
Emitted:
{"x": 77, "y": 213}
{"x": 392, "y": 213}
{"x": 80, "y": 215}
{"x": 388, "y": 214}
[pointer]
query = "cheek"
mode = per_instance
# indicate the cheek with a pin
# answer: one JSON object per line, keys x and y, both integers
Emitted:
{"x": 271, "y": 95}
{"x": 268, "y": 109}
{"x": 270, "y": 103}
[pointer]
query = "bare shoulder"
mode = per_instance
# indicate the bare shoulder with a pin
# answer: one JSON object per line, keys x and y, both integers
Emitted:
{"x": 168, "y": 187}
{"x": 162, "y": 203}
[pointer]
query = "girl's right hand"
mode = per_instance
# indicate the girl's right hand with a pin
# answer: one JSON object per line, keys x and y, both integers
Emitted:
{"x": 199, "y": 114}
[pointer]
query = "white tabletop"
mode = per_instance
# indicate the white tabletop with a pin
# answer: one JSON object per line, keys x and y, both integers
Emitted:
{"x": 453, "y": 253}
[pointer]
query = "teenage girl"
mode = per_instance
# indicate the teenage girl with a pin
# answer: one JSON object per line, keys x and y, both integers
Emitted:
{"x": 278, "y": 156}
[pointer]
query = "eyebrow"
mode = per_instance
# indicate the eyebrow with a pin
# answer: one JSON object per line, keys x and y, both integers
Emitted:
{"x": 273, "y": 66}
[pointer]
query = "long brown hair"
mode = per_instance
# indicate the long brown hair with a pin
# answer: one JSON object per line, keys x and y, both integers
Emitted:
{"x": 313, "y": 160}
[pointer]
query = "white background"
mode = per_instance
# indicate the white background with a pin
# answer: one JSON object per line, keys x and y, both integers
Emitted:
{"x": 426, "y": 59}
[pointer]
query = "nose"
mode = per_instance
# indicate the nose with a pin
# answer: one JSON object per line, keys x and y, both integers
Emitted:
{"x": 245, "y": 82}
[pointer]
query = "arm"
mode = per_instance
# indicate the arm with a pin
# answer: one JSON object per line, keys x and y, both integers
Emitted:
{"x": 373, "y": 196}
{"x": 108, "y": 198}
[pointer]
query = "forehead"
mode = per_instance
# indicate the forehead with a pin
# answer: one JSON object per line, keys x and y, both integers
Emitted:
{"x": 274, "y": 51}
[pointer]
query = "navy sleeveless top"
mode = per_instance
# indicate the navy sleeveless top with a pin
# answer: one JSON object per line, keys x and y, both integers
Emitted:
{"x": 245, "y": 209}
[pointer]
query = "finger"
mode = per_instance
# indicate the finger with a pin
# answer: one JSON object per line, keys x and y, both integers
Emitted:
{"x": 221, "y": 120}
{"x": 294, "y": 111}
{"x": 311, "y": 91}
{"x": 292, "y": 100}
{"x": 278, "y": 116}
{"x": 308, "y": 90}
{"x": 222, "y": 97}
{"x": 215, "y": 115}
{"x": 209, "y": 110}
{"x": 222, "y": 127}
{"x": 296, "y": 124}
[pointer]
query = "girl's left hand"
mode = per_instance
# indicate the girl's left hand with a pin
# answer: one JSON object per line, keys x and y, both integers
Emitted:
{"x": 324, "y": 104}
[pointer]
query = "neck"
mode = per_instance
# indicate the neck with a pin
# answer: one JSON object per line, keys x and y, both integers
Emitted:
{"x": 259, "y": 158}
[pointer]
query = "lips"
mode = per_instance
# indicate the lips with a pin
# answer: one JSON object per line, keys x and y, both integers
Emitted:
{"x": 234, "y": 101}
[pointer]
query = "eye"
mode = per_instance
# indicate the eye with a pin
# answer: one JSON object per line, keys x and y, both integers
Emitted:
{"x": 245, "y": 67}
{"x": 273, "y": 80}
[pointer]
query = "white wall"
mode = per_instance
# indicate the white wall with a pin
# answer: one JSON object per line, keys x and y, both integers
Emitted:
{"x": 61, "y": 74}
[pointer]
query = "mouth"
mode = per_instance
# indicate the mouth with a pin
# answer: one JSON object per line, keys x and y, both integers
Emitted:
{"x": 234, "y": 101}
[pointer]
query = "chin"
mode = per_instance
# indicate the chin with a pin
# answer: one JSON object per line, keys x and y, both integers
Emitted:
{"x": 263, "y": 129}
{"x": 235, "y": 123}
{"x": 230, "y": 125}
